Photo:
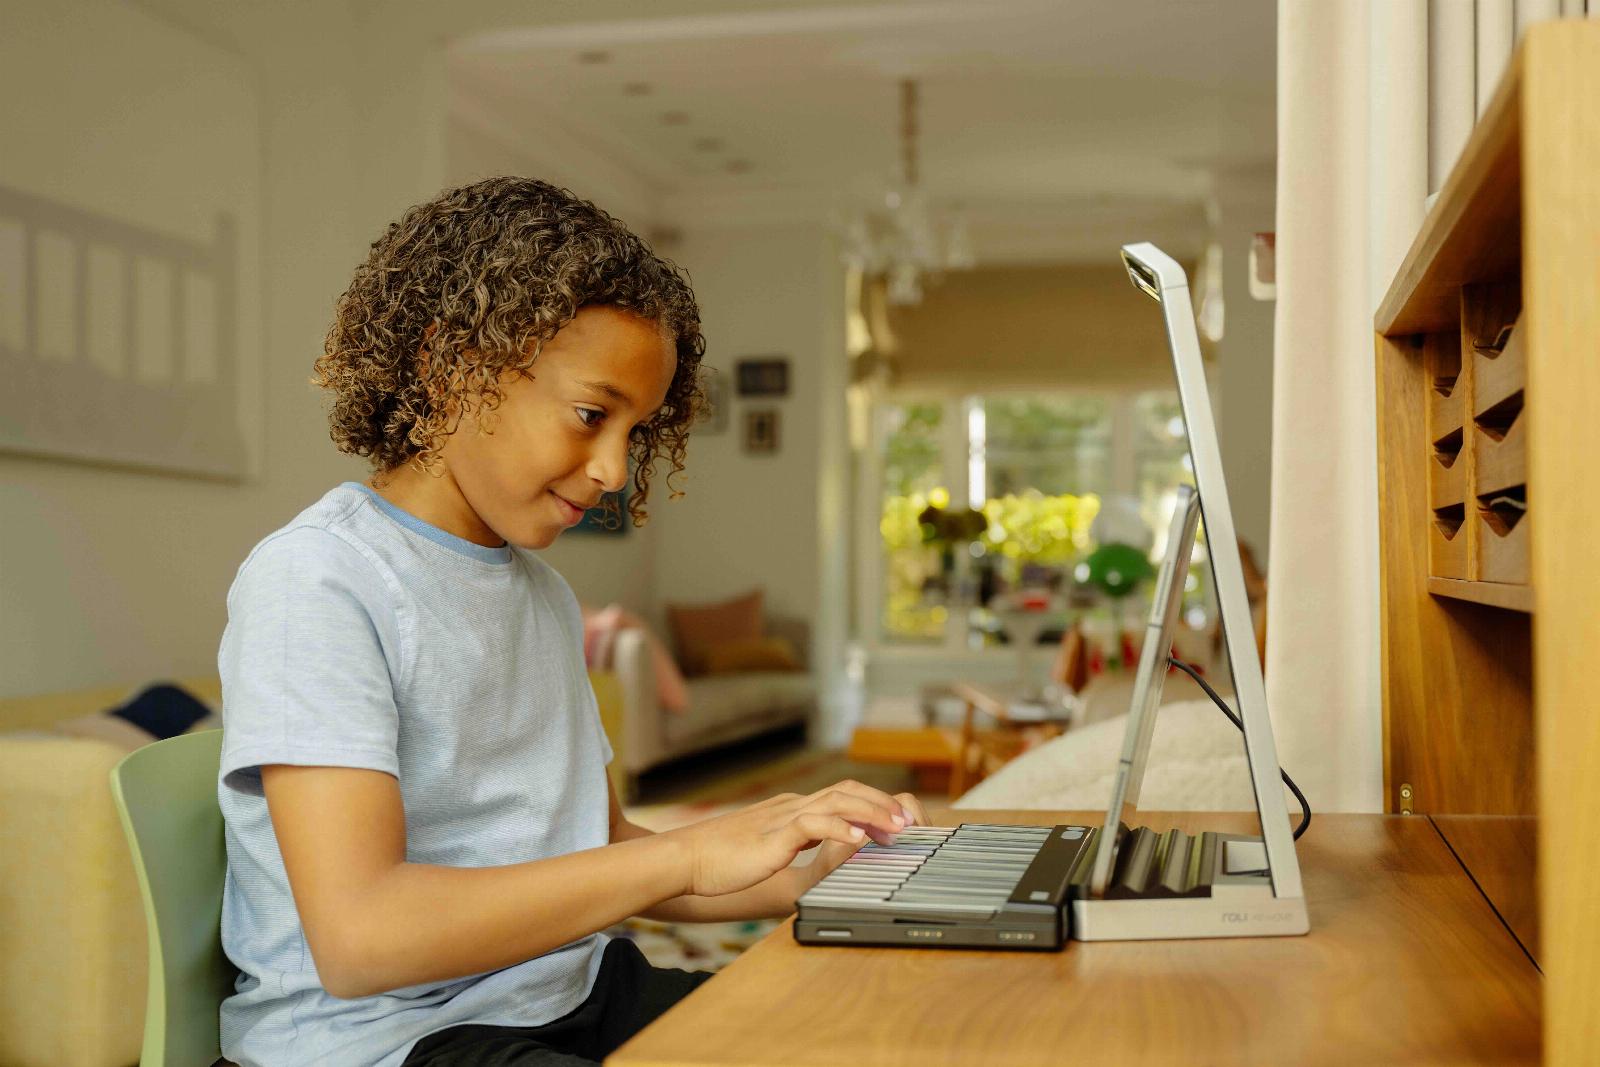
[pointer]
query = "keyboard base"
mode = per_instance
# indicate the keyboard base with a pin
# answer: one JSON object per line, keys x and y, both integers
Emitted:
{"x": 1230, "y": 911}
{"x": 1023, "y": 936}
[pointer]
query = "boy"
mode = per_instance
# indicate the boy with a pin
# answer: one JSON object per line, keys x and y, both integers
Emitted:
{"x": 422, "y": 842}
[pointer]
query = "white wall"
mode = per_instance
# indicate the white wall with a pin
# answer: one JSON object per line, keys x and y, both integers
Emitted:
{"x": 758, "y": 520}
{"x": 111, "y": 576}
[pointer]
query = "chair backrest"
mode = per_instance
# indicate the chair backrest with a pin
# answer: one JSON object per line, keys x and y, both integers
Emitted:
{"x": 166, "y": 794}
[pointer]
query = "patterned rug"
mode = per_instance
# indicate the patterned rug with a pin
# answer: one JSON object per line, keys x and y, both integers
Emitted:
{"x": 710, "y": 946}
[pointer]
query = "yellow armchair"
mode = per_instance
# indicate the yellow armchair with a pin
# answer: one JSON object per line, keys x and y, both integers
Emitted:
{"x": 72, "y": 937}
{"x": 72, "y": 950}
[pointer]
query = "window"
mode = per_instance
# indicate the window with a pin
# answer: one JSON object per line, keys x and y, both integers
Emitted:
{"x": 913, "y": 471}
{"x": 990, "y": 491}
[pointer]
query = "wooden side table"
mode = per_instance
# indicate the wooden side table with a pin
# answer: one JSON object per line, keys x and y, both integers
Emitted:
{"x": 980, "y": 750}
{"x": 930, "y": 751}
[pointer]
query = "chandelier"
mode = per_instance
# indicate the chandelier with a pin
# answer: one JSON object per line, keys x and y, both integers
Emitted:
{"x": 907, "y": 240}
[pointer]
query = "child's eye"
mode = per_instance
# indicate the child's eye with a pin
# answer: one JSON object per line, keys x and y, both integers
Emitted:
{"x": 590, "y": 416}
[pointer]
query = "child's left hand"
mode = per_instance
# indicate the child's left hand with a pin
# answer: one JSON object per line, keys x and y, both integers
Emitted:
{"x": 830, "y": 854}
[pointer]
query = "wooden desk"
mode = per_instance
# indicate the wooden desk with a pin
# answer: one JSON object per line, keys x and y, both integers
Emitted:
{"x": 1405, "y": 963}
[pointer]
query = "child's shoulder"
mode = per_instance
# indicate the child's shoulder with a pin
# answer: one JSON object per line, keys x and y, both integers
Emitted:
{"x": 317, "y": 545}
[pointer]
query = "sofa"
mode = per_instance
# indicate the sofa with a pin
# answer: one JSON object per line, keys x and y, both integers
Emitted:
{"x": 722, "y": 707}
{"x": 72, "y": 935}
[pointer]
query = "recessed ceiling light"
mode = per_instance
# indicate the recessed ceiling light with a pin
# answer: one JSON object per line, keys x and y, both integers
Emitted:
{"x": 708, "y": 144}
{"x": 594, "y": 55}
{"x": 674, "y": 118}
{"x": 737, "y": 166}
{"x": 636, "y": 89}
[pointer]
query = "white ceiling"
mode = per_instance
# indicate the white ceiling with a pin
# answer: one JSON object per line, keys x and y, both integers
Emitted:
{"x": 1061, "y": 126}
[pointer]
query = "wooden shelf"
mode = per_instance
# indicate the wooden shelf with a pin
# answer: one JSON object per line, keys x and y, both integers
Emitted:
{"x": 1490, "y": 720}
{"x": 1495, "y": 594}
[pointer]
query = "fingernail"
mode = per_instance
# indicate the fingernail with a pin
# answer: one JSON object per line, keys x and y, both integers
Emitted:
{"x": 905, "y": 813}
{"x": 857, "y": 832}
{"x": 899, "y": 821}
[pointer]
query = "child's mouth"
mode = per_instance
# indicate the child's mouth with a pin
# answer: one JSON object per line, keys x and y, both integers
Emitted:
{"x": 572, "y": 512}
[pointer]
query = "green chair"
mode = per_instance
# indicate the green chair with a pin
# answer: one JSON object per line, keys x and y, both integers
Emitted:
{"x": 166, "y": 794}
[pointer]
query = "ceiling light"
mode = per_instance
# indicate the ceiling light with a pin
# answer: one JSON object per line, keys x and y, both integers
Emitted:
{"x": 907, "y": 240}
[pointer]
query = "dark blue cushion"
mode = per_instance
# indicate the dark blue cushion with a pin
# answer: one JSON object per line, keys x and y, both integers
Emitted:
{"x": 162, "y": 711}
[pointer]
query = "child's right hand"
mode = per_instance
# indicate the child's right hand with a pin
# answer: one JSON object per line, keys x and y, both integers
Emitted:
{"x": 734, "y": 851}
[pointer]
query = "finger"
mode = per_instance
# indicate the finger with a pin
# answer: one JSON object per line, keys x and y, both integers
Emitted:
{"x": 877, "y": 820}
{"x": 913, "y": 807}
{"x": 809, "y": 828}
{"x": 865, "y": 792}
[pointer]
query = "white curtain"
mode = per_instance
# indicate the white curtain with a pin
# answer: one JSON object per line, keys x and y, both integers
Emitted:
{"x": 1375, "y": 100}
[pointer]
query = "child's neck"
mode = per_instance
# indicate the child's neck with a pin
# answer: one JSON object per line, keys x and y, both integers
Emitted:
{"x": 436, "y": 499}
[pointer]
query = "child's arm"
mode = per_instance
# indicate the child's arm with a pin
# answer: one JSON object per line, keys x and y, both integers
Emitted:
{"x": 772, "y": 898}
{"x": 375, "y": 922}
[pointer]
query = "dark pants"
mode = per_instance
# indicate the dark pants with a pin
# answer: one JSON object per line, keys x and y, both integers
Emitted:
{"x": 628, "y": 995}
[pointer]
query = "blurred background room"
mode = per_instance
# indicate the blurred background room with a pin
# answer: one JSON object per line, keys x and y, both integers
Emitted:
{"x": 917, "y": 530}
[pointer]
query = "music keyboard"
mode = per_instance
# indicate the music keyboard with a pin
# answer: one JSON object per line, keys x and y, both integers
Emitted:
{"x": 977, "y": 885}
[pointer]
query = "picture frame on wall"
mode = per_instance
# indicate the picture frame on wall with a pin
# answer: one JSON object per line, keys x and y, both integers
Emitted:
{"x": 763, "y": 376}
{"x": 761, "y": 431}
{"x": 610, "y": 516}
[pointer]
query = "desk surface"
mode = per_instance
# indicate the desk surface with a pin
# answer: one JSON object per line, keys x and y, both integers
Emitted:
{"x": 1405, "y": 963}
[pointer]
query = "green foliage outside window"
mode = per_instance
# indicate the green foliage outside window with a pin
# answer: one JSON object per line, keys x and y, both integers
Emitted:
{"x": 1034, "y": 528}
{"x": 1046, "y": 460}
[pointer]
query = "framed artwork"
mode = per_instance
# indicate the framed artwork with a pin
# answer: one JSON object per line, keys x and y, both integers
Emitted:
{"x": 761, "y": 431}
{"x": 130, "y": 318}
{"x": 763, "y": 376}
{"x": 610, "y": 516}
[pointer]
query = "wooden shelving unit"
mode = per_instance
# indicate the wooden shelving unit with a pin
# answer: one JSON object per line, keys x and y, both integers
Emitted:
{"x": 1488, "y": 391}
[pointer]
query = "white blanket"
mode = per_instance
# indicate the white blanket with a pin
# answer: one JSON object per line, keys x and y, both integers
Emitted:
{"x": 1197, "y": 763}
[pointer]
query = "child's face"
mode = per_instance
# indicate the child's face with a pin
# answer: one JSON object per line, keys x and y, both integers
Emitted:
{"x": 560, "y": 436}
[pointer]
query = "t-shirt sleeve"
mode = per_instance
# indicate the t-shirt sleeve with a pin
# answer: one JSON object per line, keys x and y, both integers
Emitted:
{"x": 309, "y": 661}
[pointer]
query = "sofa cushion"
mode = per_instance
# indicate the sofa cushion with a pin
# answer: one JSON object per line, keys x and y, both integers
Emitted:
{"x": 154, "y": 714}
{"x": 751, "y": 654}
{"x": 696, "y": 626}
{"x": 718, "y": 699}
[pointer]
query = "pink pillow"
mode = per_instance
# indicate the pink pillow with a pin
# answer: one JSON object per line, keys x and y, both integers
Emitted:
{"x": 600, "y": 630}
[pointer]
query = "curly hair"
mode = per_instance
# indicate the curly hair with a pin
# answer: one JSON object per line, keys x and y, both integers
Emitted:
{"x": 468, "y": 287}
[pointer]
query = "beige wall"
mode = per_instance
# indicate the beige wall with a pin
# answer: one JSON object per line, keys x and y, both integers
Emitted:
{"x": 747, "y": 519}
{"x": 111, "y": 575}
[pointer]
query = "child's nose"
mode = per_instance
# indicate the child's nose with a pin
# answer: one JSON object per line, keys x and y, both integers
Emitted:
{"x": 608, "y": 464}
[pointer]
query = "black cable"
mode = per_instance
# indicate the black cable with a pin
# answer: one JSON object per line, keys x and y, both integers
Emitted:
{"x": 1305, "y": 808}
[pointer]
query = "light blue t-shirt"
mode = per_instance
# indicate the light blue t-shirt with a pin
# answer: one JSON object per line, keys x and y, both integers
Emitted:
{"x": 360, "y": 636}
